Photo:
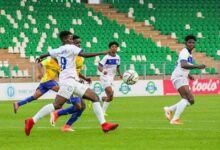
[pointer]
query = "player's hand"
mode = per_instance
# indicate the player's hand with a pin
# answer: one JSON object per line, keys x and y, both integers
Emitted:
{"x": 120, "y": 76}
{"x": 89, "y": 80}
{"x": 202, "y": 66}
{"x": 39, "y": 76}
{"x": 38, "y": 60}
{"x": 105, "y": 72}
{"x": 81, "y": 81}
{"x": 191, "y": 77}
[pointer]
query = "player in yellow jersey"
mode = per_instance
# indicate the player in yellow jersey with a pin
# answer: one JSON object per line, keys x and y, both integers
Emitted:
{"x": 48, "y": 70}
{"x": 78, "y": 104}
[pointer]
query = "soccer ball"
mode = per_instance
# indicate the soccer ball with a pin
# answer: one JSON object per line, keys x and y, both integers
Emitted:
{"x": 130, "y": 77}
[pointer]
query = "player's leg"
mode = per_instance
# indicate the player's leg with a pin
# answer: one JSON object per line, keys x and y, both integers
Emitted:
{"x": 76, "y": 106}
{"x": 74, "y": 117}
{"x": 90, "y": 95}
{"x": 187, "y": 99}
{"x": 41, "y": 90}
{"x": 109, "y": 93}
{"x": 63, "y": 94}
{"x": 177, "y": 83}
{"x": 38, "y": 93}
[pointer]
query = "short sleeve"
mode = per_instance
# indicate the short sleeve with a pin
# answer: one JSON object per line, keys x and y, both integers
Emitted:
{"x": 44, "y": 62}
{"x": 54, "y": 52}
{"x": 103, "y": 61}
{"x": 76, "y": 50}
{"x": 183, "y": 55}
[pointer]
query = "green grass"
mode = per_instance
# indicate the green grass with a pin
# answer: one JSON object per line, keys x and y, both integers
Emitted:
{"x": 142, "y": 127}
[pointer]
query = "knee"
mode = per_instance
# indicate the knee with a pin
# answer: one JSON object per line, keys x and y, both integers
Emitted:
{"x": 78, "y": 107}
{"x": 57, "y": 106}
{"x": 83, "y": 106}
{"x": 110, "y": 97}
{"x": 190, "y": 98}
{"x": 95, "y": 98}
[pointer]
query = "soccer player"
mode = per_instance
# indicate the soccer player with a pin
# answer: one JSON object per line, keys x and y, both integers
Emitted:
{"x": 69, "y": 83}
{"x": 180, "y": 78}
{"x": 78, "y": 104}
{"x": 48, "y": 71}
{"x": 108, "y": 66}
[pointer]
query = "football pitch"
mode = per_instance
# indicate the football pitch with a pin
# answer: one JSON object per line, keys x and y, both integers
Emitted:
{"x": 142, "y": 126}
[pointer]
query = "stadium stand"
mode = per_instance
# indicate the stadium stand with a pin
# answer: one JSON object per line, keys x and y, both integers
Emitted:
{"x": 29, "y": 28}
{"x": 179, "y": 18}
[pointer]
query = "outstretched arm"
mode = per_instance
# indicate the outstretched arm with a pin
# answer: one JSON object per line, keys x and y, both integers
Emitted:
{"x": 87, "y": 55}
{"x": 85, "y": 78}
{"x": 185, "y": 65}
{"x": 100, "y": 68}
{"x": 42, "y": 56}
{"x": 40, "y": 70}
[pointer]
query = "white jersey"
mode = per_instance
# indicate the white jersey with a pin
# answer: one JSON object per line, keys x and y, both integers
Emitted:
{"x": 179, "y": 71}
{"x": 66, "y": 58}
{"x": 110, "y": 64}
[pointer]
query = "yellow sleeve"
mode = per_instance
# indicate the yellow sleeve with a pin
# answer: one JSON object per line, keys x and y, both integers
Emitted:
{"x": 44, "y": 62}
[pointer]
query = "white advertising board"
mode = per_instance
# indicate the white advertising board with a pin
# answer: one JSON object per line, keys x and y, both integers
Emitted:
{"x": 19, "y": 91}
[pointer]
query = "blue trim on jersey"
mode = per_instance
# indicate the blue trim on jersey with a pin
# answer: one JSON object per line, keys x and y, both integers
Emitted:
{"x": 80, "y": 51}
{"x": 112, "y": 61}
{"x": 190, "y": 59}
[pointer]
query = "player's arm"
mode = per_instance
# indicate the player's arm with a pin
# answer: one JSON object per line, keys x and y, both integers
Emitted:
{"x": 119, "y": 71}
{"x": 191, "y": 77}
{"x": 100, "y": 68}
{"x": 41, "y": 57}
{"x": 40, "y": 70}
{"x": 89, "y": 80}
{"x": 87, "y": 55}
{"x": 185, "y": 65}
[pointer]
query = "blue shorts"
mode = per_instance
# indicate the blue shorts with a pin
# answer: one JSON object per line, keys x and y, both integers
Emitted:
{"x": 46, "y": 86}
{"x": 73, "y": 100}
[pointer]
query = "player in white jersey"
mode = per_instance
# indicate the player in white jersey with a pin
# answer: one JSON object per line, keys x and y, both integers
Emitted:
{"x": 108, "y": 66}
{"x": 180, "y": 78}
{"x": 69, "y": 83}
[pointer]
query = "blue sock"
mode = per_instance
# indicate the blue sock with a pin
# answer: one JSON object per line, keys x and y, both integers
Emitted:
{"x": 74, "y": 117}
{"x": 66, "y": 111}
{"x": 26, "y": 100}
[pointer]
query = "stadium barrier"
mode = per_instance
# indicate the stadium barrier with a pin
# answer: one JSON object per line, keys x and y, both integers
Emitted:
{"x": 18, "y": 91}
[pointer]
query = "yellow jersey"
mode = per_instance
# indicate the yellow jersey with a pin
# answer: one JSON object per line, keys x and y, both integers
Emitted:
{"x": 79, "y": 64}
{"x": 51, "y": 68}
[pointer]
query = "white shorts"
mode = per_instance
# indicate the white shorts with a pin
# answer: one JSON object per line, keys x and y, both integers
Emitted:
{"x": 70, "y": 87}
{"x": 106, "y": 81}
{"x": 179, "y": 82}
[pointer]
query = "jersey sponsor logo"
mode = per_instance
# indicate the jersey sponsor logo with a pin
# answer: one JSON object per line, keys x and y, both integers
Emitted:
{"x": 151, "y": 87}
{"x": 11, "y": 91}
{"x": 124, "y": 88}
{"x": 97, "y": 88}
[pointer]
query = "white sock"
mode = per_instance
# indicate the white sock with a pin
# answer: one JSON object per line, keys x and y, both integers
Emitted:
{"x": 105, "y": 106}
{"x": 98, "y": 112}
{"x": 180, "y": 108}
{"x": 100, "y": 98}
{"x": 43, "y": 112}
{"x": 173, "y": 107}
